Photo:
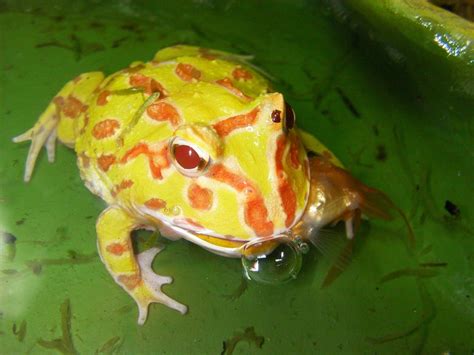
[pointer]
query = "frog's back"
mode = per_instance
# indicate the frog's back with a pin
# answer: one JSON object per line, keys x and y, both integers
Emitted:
{"x": 136, "y": 110}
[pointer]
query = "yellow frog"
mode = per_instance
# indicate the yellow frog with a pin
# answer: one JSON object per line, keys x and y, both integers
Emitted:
{"x": 196, "y": 144}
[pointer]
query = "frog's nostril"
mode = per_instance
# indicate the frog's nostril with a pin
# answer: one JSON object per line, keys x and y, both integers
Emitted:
{"x": 276, "y": 116}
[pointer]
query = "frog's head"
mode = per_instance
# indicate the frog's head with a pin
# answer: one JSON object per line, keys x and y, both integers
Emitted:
{"x": 237, "y": 177}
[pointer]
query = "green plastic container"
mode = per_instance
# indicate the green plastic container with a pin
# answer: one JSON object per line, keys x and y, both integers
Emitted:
{"x": 387, "y": 85}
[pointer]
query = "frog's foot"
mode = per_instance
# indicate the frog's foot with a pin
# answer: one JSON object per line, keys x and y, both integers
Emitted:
{"x": 42, "y": 134}
{"x": 149, "y": 289}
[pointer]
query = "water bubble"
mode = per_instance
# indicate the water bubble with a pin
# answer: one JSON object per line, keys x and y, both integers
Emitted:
{"x": 176, "y": 210}
{"x": 271, "y": 261}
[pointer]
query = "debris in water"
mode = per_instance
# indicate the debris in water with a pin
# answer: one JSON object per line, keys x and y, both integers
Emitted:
{"x": 348, "y": 103}
{"x": 428, "y": 314}
{"x": 381, "y": 153}
{"x": 239, "y": 291}
{"x": 64, "y": 344}
{"x": 452, "y": 209}
{"x": 416, "y": 272}
{"x": 248, "y": 335}
{"x": 20, "y": 332}
{"x": 110, "y": 346}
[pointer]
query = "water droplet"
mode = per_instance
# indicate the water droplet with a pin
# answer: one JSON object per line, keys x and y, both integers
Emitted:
{"x": 176, "y": 210}
{"x": 271, "y": 261}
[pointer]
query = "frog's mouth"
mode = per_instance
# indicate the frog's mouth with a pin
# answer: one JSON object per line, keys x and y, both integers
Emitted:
{"x": 227, "y": 246}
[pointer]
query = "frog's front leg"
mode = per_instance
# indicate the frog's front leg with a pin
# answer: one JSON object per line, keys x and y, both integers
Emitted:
{"x": 134, "y": 274}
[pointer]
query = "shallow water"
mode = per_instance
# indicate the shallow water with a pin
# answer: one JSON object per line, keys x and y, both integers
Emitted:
{"x": 389, "y": 124}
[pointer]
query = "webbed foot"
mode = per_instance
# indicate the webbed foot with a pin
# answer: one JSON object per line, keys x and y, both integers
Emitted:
{"x": 149, "y": 289}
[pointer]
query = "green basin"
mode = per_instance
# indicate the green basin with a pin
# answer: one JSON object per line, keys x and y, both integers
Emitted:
{"x": 387, "y": 85}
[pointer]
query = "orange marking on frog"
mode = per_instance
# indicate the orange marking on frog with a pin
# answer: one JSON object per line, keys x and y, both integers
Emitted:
{"x": 155, "y": 204}
{"x": 187, "y": 72}
{"x": 227, "y": 83}
{"x": 125, "y": 184}
{"x": 157, "y": 160}
{"x": 105, "y": 161}
{"x": 71, "y": 107}
{"x": 200, "y": 197}
{"x": 103, "y": 98}
{"x": 287, "y": 194}
{"x": 149, "y": 85}
{"x": 85, "y": 160}
{"x": 226, "y": 126}
{"x": 117, "y": 248}
{"x": 85, "y": 123}
{"x": 105, "y": 128}
{"x": 163, "y": 111}
{"x": 293, "y": 156}
{"x": 255, "y": 211}
{"x": 130, "y": 281}
{"x": 241, "y": 74}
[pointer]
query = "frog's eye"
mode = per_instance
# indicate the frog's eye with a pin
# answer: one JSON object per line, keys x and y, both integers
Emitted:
{"x": 290, "y": 117}
{"x": 189, "y": 159}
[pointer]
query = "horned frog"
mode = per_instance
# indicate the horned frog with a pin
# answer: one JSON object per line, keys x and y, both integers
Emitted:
{"x": 195, "y": 144}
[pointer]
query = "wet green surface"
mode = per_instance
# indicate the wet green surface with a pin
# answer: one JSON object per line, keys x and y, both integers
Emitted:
{"x": 403, "y": 125}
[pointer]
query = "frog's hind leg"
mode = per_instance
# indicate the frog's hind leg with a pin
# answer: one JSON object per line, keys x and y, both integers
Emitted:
{"x": 60, "y": 119}
{"x": 133, "y": 274}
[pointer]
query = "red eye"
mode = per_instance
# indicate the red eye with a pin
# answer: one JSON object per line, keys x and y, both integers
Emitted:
{"x": 189, "y": 159}
{"x": 186, "y": 156}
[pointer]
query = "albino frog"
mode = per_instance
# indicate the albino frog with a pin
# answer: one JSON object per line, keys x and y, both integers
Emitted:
{"x": 195, "y": 144}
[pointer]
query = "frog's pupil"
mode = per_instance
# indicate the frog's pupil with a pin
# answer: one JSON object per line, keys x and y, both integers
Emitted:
{"x": 186, "y": 156}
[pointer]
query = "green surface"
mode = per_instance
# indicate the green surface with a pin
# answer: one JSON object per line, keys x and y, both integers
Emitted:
{"x": 387, "y": 98}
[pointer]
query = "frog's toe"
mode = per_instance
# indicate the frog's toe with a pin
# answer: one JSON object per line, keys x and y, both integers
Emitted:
{"x": 151, "y": 291}
{"x": 42, "y": 134}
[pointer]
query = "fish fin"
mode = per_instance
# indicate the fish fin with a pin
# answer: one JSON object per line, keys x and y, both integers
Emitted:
{"x": 340, "y": 265}
{"x": 330, "y": 243}
{"x": 376, "y": 204}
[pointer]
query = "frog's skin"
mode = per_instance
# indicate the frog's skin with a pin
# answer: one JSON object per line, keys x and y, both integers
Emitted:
{"x": 253, "y": 178}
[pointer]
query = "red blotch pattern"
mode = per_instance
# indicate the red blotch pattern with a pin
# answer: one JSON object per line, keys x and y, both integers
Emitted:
{"x": 117, "y": 249}
{"x": 130, "y": 281}
{"x": 187, "y": 72}
{"x": 155, "y": 204}
{"x": 287, "y": 194}
{"x": 227, "y": 83}
{"x": 293, "y": 156}
{"x": 226, "y": 126}
{"x": 125, "y": 184}
{"x": 149, "y": 85}
{"x": 103, "y": 97}
{"x": 105, "y": 161}
{"x": 105, "y": 128}
{"x": 255, "y": 211}
{"x": 200, "y": 197}
{"x": 157, "y": 160}
{"x": 241, "y": 74}
{"x": 163, "y": 111}
{"x": 70, "y": 106}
